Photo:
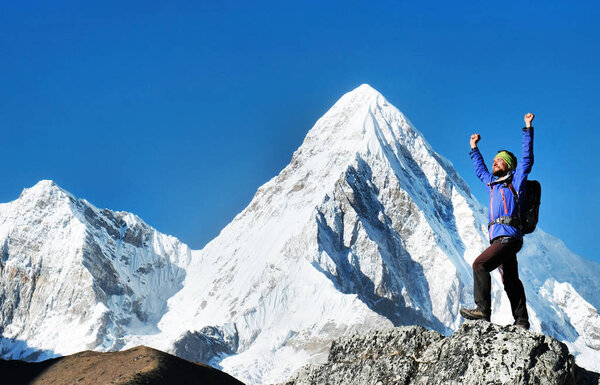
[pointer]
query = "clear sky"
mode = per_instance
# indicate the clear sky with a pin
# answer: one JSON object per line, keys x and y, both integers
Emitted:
{"x": 179, "y": 111}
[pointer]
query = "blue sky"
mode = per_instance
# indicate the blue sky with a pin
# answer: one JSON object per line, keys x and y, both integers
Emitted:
{"x": 178, "y": 112}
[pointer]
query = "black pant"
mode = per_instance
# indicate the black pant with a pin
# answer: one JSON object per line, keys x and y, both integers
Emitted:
{"x": 502, "y": 254}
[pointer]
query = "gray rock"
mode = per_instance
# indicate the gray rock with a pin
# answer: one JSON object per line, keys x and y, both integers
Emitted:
{"x": 478, "y": 352}
{"x": 207, "y": 344}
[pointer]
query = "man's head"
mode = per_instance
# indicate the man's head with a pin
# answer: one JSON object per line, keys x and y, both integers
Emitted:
{"x": 504, "y": 161}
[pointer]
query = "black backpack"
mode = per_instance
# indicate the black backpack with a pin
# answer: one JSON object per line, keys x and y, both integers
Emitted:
{"x": 529, "y": 212}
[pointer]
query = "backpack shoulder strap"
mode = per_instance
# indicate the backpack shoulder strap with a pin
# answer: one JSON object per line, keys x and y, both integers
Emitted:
{"x": 512, "y": 190}
{"x": 516, "y": 196}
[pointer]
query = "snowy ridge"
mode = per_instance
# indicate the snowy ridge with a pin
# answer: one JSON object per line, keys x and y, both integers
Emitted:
{"x": 366, "y": 228}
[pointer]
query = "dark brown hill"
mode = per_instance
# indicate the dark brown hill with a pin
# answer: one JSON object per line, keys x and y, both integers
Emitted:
{"x": 137, "y": 366}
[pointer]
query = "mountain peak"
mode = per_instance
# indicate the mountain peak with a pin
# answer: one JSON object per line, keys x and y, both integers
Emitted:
{"x": 363, "y": 95}
{"x": 361, "y": 124}
{"x": 352, "y": 122}
{"x": 365, "y": 89}
{"x": 44, "y": 189}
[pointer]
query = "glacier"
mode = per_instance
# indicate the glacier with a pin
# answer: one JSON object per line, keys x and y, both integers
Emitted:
{"x": 366, "y": 228}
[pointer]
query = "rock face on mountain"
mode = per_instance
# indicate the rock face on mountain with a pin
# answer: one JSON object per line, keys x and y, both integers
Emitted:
{"x": 477, "y": 353}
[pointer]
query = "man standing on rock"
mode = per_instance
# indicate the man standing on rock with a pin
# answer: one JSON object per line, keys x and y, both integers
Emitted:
{"x": 506, "y": 239}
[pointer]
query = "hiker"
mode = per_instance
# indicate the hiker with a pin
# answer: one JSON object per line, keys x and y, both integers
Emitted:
{"x": 508, "y": 178}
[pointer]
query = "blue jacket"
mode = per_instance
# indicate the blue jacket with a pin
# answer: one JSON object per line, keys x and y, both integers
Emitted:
{"x": 502, "y": 200}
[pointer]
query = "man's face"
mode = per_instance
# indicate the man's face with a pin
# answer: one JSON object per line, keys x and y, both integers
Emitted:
{"x": 500, "y": 168}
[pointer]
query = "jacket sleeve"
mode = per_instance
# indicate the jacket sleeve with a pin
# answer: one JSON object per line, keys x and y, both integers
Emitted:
{"x": 480, "y": 168}
{"x": 526, "y": 163}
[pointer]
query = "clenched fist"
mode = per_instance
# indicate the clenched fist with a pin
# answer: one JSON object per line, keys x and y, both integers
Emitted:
{"x": 474, "y": 139}
{"x": 528, "y": 118}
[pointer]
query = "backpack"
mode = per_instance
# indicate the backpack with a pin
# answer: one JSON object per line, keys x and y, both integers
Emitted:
{"x": 529, "y": 212}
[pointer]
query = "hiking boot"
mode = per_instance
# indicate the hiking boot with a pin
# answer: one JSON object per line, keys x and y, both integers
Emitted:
{"x": 474, "y": 314}
{"x": 521, "y": 326}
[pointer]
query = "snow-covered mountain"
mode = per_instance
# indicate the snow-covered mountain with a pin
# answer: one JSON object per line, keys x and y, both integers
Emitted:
{"x": 73, "y": 277}
{"x": 367, "y": 227}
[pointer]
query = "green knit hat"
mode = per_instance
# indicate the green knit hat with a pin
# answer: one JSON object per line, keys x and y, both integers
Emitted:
{"x": 508, "y": 157}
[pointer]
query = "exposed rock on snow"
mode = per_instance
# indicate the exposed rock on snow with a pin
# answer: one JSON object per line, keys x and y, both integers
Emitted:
{"x": 207, "y": 344}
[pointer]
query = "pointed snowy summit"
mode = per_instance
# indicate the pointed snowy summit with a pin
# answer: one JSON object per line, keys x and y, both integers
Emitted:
{"x": 45, "y": 188}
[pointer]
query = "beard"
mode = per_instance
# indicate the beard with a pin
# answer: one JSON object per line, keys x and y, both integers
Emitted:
{"x": 499, "y": 173}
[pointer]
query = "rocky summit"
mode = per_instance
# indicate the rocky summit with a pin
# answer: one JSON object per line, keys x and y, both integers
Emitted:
{"x": 478, "y": 352}
{"x": 136, "y": 366}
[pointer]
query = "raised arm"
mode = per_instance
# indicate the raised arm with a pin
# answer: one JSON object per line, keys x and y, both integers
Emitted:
{"x": 525, "y": 165}
{"x": 480, "y": 168}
